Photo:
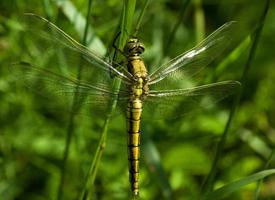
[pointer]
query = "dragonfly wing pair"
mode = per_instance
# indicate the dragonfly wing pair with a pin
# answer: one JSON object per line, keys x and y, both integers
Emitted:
{"x": 58, "y": 72}
{"x": 164, "y": 101}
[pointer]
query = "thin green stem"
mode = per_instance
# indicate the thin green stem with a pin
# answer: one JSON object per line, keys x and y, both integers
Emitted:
{"x": 208, "y": 185}
{"x": 199, "y": 21}
{"x": 126, "y": 23}
{"x": 84, "y": 39}
{"x": 259, "y": 183}
{"x": 74, "y": 109}
{"x": 87, "y": 192}
{"x": 47, "y": 9}
{"x": 140, "y": 18}
{"x": 176, "y": 26}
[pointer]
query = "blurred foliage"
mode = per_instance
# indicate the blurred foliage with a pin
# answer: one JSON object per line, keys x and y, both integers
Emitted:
{"x": 177, "y": 154}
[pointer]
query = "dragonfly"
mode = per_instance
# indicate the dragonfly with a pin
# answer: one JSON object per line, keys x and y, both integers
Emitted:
{"x": 142, "y": 90}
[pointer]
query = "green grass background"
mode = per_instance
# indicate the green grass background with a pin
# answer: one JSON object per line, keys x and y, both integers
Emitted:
{"x": 177, "y": 154}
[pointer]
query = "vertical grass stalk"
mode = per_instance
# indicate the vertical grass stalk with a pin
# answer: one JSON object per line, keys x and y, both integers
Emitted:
{"x": 126, "y": 23}
{"x": 74, "y": 108}
{"x": 140, "y": 18}
{"x": 258, "y": 187}
{"x": 209, "y": 182}
{"x": 199, "y": 21}
{"x": 175, "y": 27}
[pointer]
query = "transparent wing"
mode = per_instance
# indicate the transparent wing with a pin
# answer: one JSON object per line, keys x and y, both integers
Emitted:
{"x": 61, "y": 90}
{"x": 49, "y": 37}
{"x": 194, "y": 60}
{"x": 56, "y": 60}
{"x": 175, "y": 103}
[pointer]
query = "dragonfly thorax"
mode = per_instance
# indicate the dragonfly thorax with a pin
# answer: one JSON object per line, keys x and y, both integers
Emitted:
{"x": 137, "y": 88}
{"x": 136, "y": 67}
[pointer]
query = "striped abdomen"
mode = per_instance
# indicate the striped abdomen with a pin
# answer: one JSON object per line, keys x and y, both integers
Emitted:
{"x": 133, "y": 120}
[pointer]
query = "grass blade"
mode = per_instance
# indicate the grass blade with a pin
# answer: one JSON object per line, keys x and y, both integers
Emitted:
{"x": 175, "y": 27}
{"x": 71, "y": 123}
{"x": 208, "y": 185}
{"x": 199, "y": 21}
{"x": 155, "y": 167}
{"x": 140, "y": 18}
{"x": 126, "y": 23}
{"x": 237, "y": 185}
{"x": 257, "y": 191}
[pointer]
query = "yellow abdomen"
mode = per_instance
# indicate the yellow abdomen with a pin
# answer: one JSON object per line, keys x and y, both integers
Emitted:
{"x": 134, "y": 110}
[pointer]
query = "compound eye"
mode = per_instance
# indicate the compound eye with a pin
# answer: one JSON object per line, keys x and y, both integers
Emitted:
{"x": 131, "y": 47}
{"x": 134, "y": 46}
{"x": 141, "y": 48}
{"x": 128, "y": 48}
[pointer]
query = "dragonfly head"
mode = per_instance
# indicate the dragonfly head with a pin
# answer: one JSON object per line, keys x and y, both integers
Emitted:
{"x": 133, "y": 47}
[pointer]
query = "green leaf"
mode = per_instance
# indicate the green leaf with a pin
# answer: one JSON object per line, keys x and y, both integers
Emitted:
{"x": 237, "y": 185}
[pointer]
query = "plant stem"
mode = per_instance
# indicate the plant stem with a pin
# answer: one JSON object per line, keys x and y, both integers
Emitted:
{"x": 126, "y": 23}
{"x": 209, "y": 182}
{"x": 140, "y": 18}
{"x": 75, "y": 107}
{"x": 199, "y": 21}
{"x": 258, "y": 187}
{"x": 176, "y": 26}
